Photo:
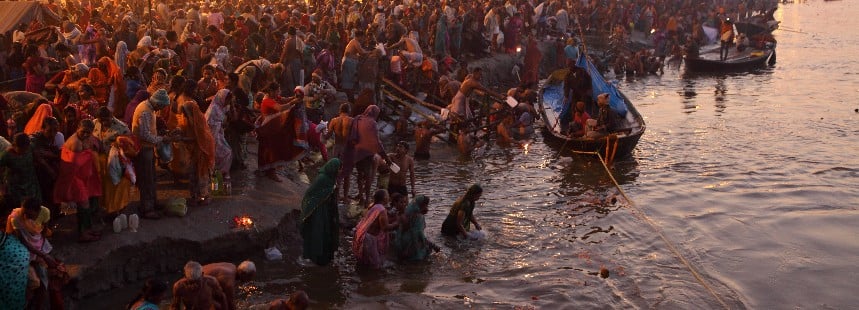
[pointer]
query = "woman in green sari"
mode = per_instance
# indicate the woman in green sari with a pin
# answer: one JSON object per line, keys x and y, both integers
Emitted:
{"x": 14, "y": 263}
{"x": 319, "y": 218}
{"x": 411, "y": 243}
{"x": 458, "y": 221}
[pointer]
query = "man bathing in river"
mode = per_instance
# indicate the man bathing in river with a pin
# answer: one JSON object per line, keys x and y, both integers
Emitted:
{"x": 197, "y": 291}
{"x": 229, "y": 276}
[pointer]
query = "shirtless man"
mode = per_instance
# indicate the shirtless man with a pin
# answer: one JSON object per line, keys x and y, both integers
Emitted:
{"x": 197, "y": 291}
{"x": 397, "y": 181}
{"x": 229, "y": 276}
{"x": 411, "y": 51}
{"x": 459, "y": 104}
{"x": 340, "y": 127}
{"x": 423, "y": 138}
{"x": 349, "y": 65}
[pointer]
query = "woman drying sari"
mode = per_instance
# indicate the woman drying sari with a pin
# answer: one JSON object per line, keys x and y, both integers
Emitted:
{"x": 277, "y": 131}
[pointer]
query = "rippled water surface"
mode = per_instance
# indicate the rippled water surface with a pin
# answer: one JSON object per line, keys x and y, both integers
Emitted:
{"x": 751, "y": 177}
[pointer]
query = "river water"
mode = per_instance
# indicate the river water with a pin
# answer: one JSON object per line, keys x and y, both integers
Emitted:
{"x": 750, "y": 177}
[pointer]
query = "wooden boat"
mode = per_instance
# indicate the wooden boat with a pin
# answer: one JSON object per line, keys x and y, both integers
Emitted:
{"x": 552, "y": 102}
{"x": 709, "y": 60}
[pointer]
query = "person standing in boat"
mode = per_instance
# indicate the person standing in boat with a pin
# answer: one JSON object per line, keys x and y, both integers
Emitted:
{"x": 726, "y": 35}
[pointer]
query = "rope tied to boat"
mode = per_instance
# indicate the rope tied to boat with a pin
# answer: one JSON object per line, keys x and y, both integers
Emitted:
{"x": 640, "y": 215}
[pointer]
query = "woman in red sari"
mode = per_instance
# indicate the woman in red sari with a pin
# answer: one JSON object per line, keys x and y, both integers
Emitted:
{"x": 36, "y": 69}
{"x": 78, "y": 181}
{"x": 278, "y": 130}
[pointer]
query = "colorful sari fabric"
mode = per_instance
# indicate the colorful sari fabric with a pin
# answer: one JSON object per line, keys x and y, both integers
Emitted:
{"x": 34, "y": 125}
{"x": 30, "y": 230}
{"x": 14, "y": 264}
{"x": 370, "y": 249}
{"x": 216, "y": 117}
{"x": 141, "y": 96}
{"x": 78, "y": 178}
{"x": 121, "y": 56}
{"x": 533, "y": 56}
{"x": 116, "y": 97}
{"x": 275, "y": 136}
{"x": 319, "y": 216}
{"x": 203, "y": 146}
{"x": 511, "y": 33}
{"x": 411, "y": 244}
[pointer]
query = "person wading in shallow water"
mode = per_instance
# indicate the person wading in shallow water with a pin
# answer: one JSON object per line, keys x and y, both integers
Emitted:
{"x": 458, "y": 221}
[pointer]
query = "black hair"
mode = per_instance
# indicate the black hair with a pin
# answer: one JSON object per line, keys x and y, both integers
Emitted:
{"x": 380, "y": 195}
{"x": 31, "y": 204}
{"x": 21, "y": 140}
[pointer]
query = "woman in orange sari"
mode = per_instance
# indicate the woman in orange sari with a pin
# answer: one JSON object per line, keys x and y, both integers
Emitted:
{"x": 78, "y": 181}
{"x": 109, "y": 85}
{"x": 34, "y": 125}
{"x": 200, "y": 143}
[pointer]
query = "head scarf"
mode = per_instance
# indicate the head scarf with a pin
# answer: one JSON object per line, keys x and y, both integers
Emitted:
{"x": 415, "y": 206}
{"x": 221, "y": 58}
{"x": 146, "y": 41}
{"x": 121, "y": 56}
{"x": 34, "y": 125}
{"x": 217, "y": 111}
{"x": 81, "y": 69}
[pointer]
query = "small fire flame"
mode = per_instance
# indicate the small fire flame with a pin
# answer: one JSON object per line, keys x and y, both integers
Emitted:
{"x": 243, "y": 221}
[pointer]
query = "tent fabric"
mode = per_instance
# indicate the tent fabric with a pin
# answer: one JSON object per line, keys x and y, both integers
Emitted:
{"x": 13, "y": 13}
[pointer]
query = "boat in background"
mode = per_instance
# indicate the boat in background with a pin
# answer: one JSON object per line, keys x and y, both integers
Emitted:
{"x": 552, "y": 103}
{"x": 709, "y": 60}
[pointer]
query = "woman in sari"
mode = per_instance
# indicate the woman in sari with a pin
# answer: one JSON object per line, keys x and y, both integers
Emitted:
{"x": 78, "y": 181}
{"x": 511, "y": 33}
{"x": 34, "y": 125}
{"x": 533, "y": 56}
{"x": 107, "y": 130}
{"x": 319, "y": 217}
{"x": 440, "y": 45}
{"x": 121, "y": 56}
{"x": 216, "y": 117}
{"x": 36, "y": 69}
{"x": 277, "y": 131}
{"x": 198, "y": 142}
{"x": 139, "y": 97}
{"x": 14, "y": 265}
{"x": 115, "y": 85}
{"x": 371, "y": 238}
{"x": 458, "y": 221}
{"x": 159, "y": 81}
{"x": 411, "y": 243}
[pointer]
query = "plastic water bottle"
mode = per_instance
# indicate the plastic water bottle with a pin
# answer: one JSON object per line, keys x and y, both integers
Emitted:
{"x": 228, "y": 187}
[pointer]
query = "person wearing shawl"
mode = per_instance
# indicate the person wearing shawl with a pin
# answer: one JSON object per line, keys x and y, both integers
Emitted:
{"x": 440, "y": 46}
{"x": 216, "y": 117}
{"x": 199, "y": 142}
{"x": 277, "y": 132}
{"x": 107, "y": 130}
{"x": 109, "y": 85}
{"x": 144, "y": 46}
{"x": 121, "y": 56}
{"x": 319, "y": 217}
{"x": 43, "y": 111}
{"x": 222, "y": 59}
{"x": 371, "y": 238}
{"x": 511, "y": 33}
{"x": 533, "y": 56}
{"x": 458, "y": 221}
{"x": 78, "y": 181}
{"x": 410, "y": 242}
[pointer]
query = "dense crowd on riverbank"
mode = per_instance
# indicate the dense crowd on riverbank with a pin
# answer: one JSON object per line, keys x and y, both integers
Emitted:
{"x": 115, "y": 94}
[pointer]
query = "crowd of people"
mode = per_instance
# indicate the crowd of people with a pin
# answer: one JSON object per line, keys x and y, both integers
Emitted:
{"x": 119, "y": 90}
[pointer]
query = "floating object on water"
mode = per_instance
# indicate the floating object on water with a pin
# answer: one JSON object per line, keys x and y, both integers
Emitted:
{"x": 273, "y": 254}
{"x": 603, "y": 272}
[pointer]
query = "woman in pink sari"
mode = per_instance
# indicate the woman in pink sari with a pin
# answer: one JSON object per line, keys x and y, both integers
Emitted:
{"x": 78, "y": 179}
{"x": 36, "y": 69}
{"x": 371, "y": 235}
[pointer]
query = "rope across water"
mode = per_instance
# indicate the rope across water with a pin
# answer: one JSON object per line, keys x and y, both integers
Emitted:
{"x": 655, "y": 227}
